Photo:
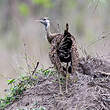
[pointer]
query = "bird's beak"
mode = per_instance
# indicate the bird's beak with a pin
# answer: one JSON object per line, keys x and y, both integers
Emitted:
{"x": 41, "y": 21}
{"x": 37, "y": 20}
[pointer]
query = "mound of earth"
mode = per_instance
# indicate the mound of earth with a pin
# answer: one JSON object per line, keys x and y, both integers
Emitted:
{"x": 91, "y": 90}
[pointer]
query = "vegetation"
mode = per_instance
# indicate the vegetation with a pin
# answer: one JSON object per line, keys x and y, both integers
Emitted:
{"x": 89, "y": 23}
{"x": 18, "y": 86}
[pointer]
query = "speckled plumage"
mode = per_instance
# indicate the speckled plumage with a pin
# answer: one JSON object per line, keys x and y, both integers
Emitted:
{"x": 63, "y": 51}
{"x": 54, "y": 56}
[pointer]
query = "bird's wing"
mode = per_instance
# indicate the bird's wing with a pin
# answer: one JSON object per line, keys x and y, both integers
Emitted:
{"x": 74, "y": 54}
{"x": 54, "y": 56}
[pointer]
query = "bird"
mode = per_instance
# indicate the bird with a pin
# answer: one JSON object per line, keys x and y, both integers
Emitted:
{"x": 63, "y": 51}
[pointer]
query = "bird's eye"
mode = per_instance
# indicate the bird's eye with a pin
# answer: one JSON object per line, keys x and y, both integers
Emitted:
{"x": 44, "y": 19}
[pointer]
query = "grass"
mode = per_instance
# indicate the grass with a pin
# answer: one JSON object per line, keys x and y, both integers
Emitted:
{"x": 19, "y": 85}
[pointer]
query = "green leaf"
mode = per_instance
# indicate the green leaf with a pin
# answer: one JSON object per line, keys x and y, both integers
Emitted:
{"x": 10, "y": 81}
{"x": 24, "y": 9}
{"x": 35, "y": 77}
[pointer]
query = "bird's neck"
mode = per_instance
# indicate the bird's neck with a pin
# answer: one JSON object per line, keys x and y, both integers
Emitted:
{"x": 47, "y": 28}
{"x": 49, "y": 34}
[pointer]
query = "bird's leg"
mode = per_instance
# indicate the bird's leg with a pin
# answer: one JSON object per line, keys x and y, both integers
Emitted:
{"x": 67, "y": 78}
{"x": 59, "y": 76}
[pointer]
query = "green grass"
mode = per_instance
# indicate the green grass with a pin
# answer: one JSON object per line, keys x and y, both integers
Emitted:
{"x": 19, "y": 85}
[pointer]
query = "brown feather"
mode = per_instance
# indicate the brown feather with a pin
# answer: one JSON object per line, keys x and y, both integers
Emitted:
{"x": 58, "y": 41}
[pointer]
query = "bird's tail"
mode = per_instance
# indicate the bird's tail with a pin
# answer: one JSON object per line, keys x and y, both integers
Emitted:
{"x": 67, "y": 27}
{"x": 66, "y": 30}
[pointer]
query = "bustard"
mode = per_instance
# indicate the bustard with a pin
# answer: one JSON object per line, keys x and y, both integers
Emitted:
{"x": 63, "y": 51}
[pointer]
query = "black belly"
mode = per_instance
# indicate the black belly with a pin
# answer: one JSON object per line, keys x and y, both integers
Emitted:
{"x": 64, "y": 50}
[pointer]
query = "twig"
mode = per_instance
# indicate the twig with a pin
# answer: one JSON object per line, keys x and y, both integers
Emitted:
{"x": 48, "y": 68}
{"x": 102, "y": 72}
{"x": 35, "y": 68}
{"x": 102, "y": 37}
{"x": 83, "y": 50}
{"x": 97, "y": 3}
{"x": 26, "y": 58}
{"x": 59, "y": 29}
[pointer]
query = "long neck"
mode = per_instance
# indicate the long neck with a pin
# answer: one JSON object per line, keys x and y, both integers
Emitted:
{"x": 47, "y": 28}
{"x": 49, "y": 34}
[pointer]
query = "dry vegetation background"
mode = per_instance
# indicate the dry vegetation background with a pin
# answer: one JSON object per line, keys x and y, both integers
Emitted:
{"x": 89, "y": 22}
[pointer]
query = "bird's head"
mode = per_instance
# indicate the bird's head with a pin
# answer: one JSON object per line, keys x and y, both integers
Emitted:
{"x": 45, "y": 21}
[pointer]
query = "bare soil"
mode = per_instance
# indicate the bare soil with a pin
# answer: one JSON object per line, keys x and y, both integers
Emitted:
{"x": 90, "y": 90}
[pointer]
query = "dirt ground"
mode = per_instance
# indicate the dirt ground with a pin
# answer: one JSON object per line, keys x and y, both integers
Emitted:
{"x": 89, "y": 90}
